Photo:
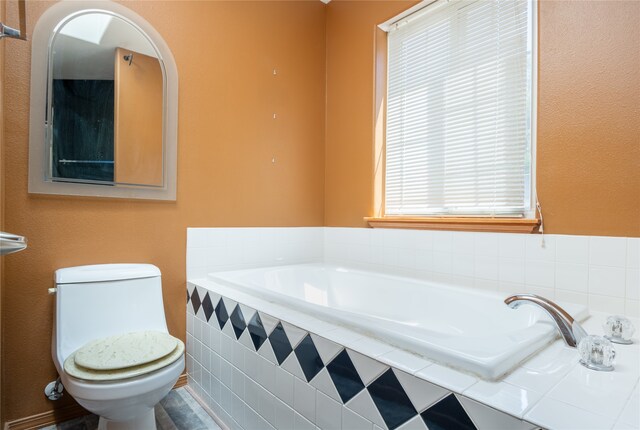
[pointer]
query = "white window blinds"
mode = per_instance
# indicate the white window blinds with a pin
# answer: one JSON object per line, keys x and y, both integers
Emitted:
{"x": 459, "y": 110}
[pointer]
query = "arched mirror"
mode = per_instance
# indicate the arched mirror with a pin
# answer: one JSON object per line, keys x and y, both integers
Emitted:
{"x": 103, "y": 104}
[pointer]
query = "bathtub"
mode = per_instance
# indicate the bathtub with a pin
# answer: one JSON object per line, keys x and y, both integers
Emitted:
{"x": 470, "y": 330}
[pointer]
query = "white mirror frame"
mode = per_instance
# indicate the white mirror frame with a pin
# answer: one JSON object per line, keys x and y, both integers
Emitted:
{"x": 42, "y": 34}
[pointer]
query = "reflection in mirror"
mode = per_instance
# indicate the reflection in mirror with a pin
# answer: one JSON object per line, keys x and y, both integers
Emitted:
{"x": 105, "y": 103}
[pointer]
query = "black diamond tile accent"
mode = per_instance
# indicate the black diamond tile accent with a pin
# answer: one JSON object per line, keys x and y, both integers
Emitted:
{"x": 237, "y": 320}
{"x": 188, "y": 297}
{"x": 280, "y": 343}
{"x": 207, "y": 307}
{"x": 221, "y": 313}
{"x": 345, "y": 376}
{"x": 308, "y": 357}
{"x": 257, "y": 331}
{"x": 391, "y": 400}
{"x": 448, "y": 413}
{"x": 195, "y": 301}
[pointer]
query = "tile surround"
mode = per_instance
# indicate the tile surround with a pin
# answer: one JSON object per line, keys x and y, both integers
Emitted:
{"x": 322, "y": 390}
{"x": 569, "y": 268}
{"x": 601, "y": 272}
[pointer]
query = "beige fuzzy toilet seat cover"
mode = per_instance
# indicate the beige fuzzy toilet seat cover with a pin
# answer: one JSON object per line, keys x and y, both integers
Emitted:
{"x": 124, "y": 356}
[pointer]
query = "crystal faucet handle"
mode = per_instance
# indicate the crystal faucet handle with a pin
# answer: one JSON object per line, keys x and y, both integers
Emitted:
{"x": 596, "y": 353}
{"x": 618, "y": 329}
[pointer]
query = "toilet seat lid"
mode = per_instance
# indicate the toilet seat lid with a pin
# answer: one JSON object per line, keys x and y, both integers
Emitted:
{"x": 77, "y": 371}
{"x": 125, "y": 350}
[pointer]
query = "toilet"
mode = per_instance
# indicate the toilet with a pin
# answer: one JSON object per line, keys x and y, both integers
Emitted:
{"x": 110, "y": 342}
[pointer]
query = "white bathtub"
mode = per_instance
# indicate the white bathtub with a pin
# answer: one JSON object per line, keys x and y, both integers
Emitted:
{"x": 470, "y": 330}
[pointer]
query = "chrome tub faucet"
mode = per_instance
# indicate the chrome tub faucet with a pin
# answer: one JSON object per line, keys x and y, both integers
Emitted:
{"x": 570, "y": 330}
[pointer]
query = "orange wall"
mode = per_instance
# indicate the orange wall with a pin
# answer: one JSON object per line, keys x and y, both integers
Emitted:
{"x": 588, "y": 121}
{"x": 588, "y": 167}
{"x": 225, "y": 54}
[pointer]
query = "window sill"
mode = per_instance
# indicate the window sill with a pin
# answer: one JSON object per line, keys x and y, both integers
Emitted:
{"x": 503, "y": 225}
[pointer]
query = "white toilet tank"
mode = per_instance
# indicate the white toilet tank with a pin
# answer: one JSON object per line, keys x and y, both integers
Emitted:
{"x": 94, "y": 302}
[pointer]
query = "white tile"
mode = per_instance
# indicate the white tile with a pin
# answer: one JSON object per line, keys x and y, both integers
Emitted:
{"x": 424, "y": 259}
{"x": 284, "y": 386}
{"x": 301, "y": 423}
{"x": 632, "y": 308}
{"x": 370, "y": 347}
{"x": 553, "y": 414}
{"x": 266, "y": 351}
{"x": 267, "y": 375}
{"x": 284, "y": 417}
{"x": 327, "y": 349}
{"x": 304, "y": 399}
{"x": 511, "y": 270}
{"x": 353, "y": 421}
{"x": 535, "y": 379}
{"x": 294, "y": 334}
{"x": 632, "y": 284}
{"x": 267, "y": 406}
{"x": 571, "y": 297}
{"x": 421, "y": 393}
{"x": 362, "y": 404}
{"x": 463, "y": 264}
{"x": 633, "y": 252}
{"x": 442, "y": 241}
{"x": 252, "y": 394}
{"x": 486, "y": 244}
{"x": 488, "y": 418}
{"x": 328, "y": 413}
{"x": 485, "y": 284}
{"x": 572, "y": 277}
{"x": 540, "y": 247}
{"x": 252, "y": 365}
{"x": 511, "y": 246}
{"x": 607, "y": 304}
{"x": 603, "y": 393}
{"x": 415, "y": 423}
{"x": 368, "y": 368}
{"x": 237, "y": 382}
{"x": 504, "y": 397}
{"x": 343, "y": 336}
{"x": 572, "y": 249}
{"x": 607, "y": 281}
{"x": 631, "y": 413}
{"x": 486, "y": 267}
{"x": 322, "y": 382}
{"x": 237, "y": 356}
{"x": 442, "y": 262}
{"x": 608, "y": 251}
{"x": 462, "y": 243}
{"x": 405, "y": 258}
{"x": 245, "y": 339}
{"x": 291, "y": 365}
{"x": 540, "y": 273}
{"x": 405, "y": 361}
{"x": 622, "y": 426}
{"x": 423, "y": 239}
{"x": 448, "y": 378}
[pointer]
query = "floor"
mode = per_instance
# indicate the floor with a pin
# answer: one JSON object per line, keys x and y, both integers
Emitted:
{"x": 177, "y": 411}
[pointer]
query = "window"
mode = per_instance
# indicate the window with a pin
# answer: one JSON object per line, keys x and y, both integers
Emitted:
{"x": 459, "y": 110}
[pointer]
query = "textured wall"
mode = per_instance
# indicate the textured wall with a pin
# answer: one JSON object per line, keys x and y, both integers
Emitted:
{"x": 225, "y": 53}
{"x": 588, "y": 121}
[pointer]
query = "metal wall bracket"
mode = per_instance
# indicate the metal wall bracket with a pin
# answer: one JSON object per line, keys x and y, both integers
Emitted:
{"x": 14, "y": 33}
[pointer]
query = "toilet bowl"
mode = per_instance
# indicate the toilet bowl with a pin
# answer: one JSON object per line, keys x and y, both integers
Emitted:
{"x": 108, "y": 303}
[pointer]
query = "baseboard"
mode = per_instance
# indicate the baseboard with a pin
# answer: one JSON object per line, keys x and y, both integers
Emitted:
{"x": 181, "y": 382}
{"x": 58, "y": 416}
{"x": 48, "y": 418}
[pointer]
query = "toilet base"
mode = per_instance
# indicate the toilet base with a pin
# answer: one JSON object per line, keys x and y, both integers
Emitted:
{"x": 147, "y": 421}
